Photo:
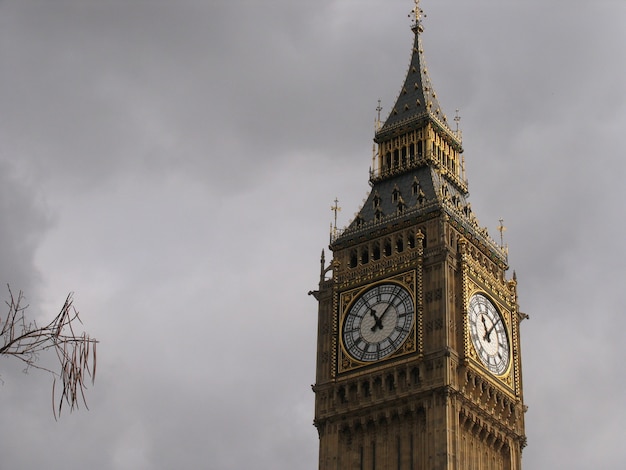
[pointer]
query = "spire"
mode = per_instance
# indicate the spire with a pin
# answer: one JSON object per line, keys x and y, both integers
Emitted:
{"x": 417, "y": 101}
{"x": 417, "y": 15}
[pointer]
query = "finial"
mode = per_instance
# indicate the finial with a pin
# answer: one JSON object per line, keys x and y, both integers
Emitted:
{"x": 335, "y": 209}
{"x": 457, "y": 120}
{"x": 378, "y": 110}
{"x": 502, "y": 229}
{"x": 417, "y": 16}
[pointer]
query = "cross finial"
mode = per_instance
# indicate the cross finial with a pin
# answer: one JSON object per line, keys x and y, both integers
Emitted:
{"x": 457, "y": 120}
{"x": 417, "y": 10}
{"x": 502, "y": 229}
{"x": 335, "y": 209}
{"x": 417, "y": 13}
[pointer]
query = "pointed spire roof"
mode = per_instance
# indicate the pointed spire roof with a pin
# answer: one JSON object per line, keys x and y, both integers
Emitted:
{"x": 417, "y": 101}
{"x": 415, "y": 176}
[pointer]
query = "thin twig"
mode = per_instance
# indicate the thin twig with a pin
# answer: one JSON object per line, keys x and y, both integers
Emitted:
{"x": 25, "y": 341}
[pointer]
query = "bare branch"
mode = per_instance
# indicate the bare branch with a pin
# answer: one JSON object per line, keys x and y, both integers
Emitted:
{"x": 76, "y": 353}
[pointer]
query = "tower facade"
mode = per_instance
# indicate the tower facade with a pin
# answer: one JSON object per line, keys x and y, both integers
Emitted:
{"x": 418, "y": 353}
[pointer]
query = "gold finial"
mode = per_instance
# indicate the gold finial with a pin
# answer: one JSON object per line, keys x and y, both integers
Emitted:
{"x": 417, "y": 15}
{"x": 335, "y": 209}
{"x": 378, "y": 110}
{"x": 502, "y": 229}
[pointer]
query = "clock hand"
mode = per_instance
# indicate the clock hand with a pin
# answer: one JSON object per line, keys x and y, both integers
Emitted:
{"x": 373, "y": 313}
{"x": 378, "y": 323}
{"x": 488, "y": 331}
{"x": 376, "y": 319}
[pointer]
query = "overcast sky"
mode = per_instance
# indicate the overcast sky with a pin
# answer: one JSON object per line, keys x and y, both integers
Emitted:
{"x": 173, "y": 164}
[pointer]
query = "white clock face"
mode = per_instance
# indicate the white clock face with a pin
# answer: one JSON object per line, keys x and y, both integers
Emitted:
{"x": 378, "y": 322}
{"x": 488, "y": 334}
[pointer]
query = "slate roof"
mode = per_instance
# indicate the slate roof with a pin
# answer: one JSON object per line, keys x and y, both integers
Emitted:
{"x": 417, "y": 100}
{"x": 428, "y": 182}
{"x": 419, "y": 192}
{"x": 435, "y": 195}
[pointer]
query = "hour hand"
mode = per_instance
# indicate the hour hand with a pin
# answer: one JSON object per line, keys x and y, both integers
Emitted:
{"x": 488, "y": 333}
{"x": 487, "y": 330}
{"x": 377, "y": 323}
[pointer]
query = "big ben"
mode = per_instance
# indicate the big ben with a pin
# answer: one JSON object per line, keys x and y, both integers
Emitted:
{"x": 418, "y": 352}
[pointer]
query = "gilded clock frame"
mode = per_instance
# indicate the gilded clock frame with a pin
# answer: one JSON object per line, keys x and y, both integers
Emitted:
{"x": 480, "y": 277}
{"x": 347, "y": 298}
{"x": 507, "y": 329}
{"x": 472, "y": 359}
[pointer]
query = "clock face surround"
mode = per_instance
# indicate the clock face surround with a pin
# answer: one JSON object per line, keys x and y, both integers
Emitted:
{"x": 378, "y": 322}
{"x": 488, "y": 334}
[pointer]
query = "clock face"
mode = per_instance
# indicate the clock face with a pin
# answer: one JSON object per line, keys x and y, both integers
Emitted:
{"x": 378, "y": 322}
{"x": 488, "y": 334}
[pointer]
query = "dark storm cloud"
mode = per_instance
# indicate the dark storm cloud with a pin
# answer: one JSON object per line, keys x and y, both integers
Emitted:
{"x": 174, "y": 165}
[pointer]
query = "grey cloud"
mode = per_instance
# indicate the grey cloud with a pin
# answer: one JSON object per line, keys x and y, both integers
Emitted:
{"x": 174, "y": 165}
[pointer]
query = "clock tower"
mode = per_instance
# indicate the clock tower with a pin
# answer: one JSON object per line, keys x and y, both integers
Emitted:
{"x": 418, "y": 352}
